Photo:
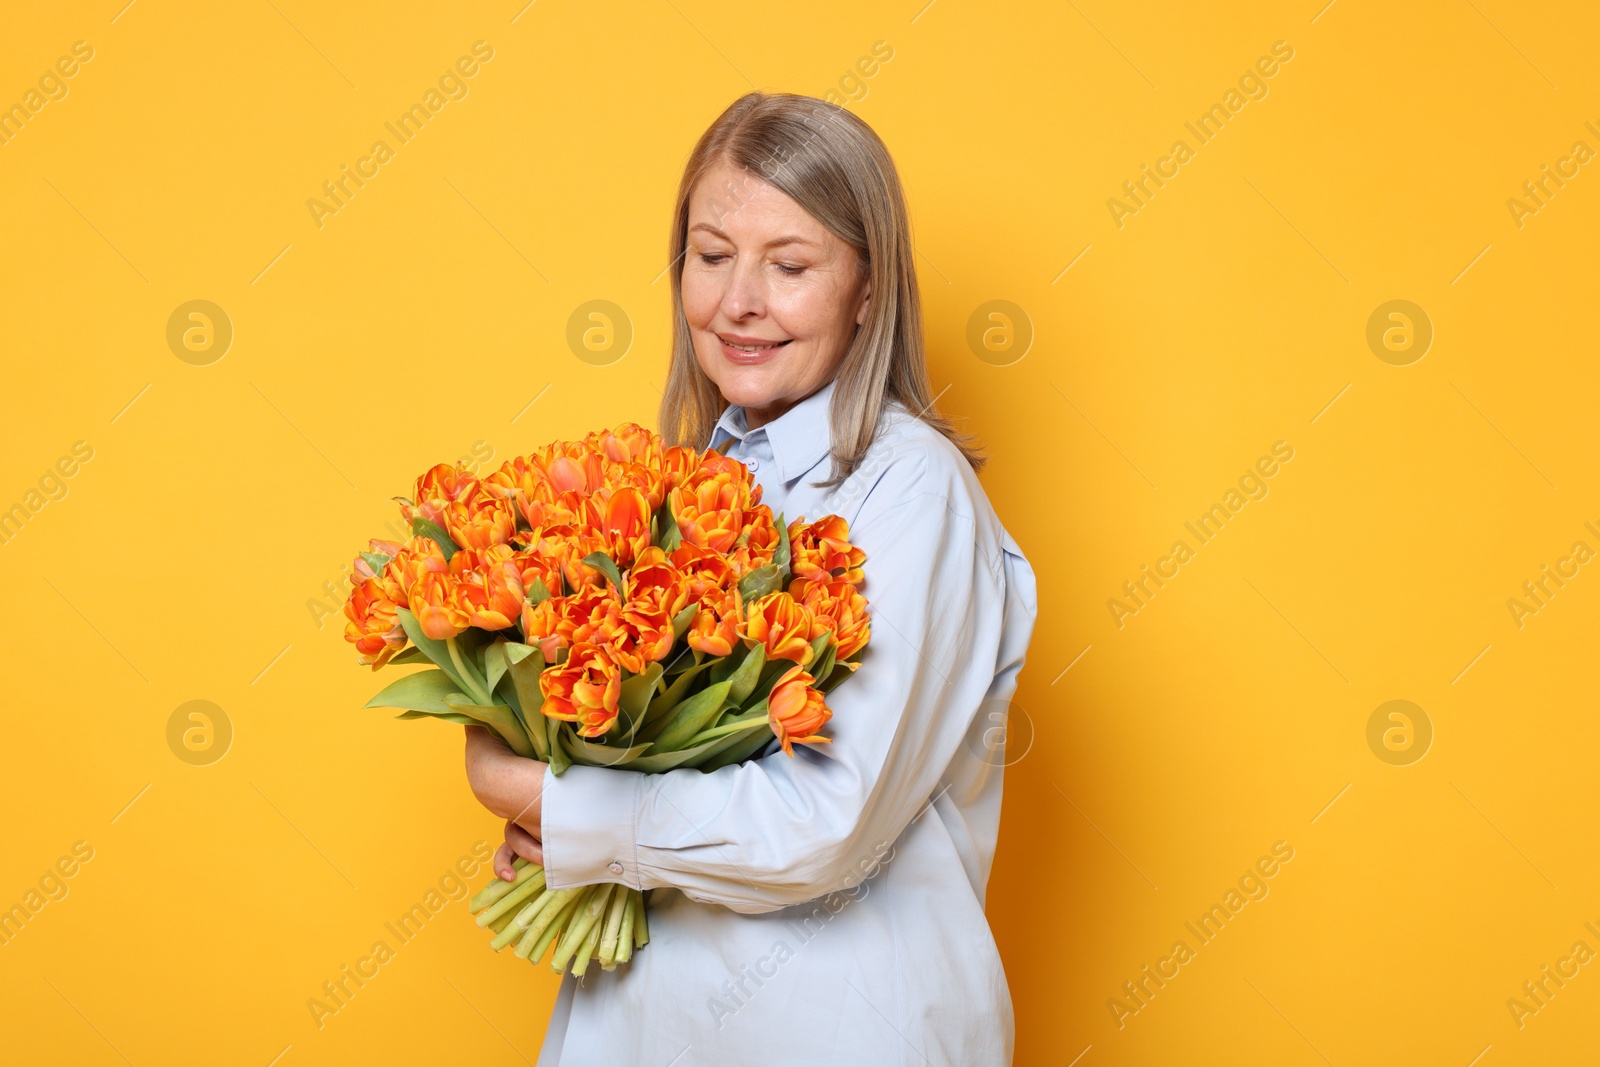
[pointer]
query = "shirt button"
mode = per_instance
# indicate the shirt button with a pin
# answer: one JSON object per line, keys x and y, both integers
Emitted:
{"x": 615, "y": 867}
{"x": 751, "y": 463}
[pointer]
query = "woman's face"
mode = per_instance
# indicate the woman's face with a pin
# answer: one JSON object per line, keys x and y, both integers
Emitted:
{"x": 772, "y": 297}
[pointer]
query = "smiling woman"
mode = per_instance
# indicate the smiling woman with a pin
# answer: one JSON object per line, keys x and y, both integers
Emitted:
{"x": 797, "y": 350}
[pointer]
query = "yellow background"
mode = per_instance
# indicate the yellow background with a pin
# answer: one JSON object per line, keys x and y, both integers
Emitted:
{"x": 423, "y": 319}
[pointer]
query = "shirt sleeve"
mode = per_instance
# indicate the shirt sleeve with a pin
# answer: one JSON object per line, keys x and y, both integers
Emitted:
{"x": 777, "y": 831}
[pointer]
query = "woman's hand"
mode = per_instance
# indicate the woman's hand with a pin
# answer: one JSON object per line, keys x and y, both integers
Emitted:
{"x": 510, "y": 786}
{"x": 518, "y": 843}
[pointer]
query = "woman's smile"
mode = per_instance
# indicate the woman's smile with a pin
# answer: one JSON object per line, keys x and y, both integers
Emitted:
{"x": 748, "y": 351}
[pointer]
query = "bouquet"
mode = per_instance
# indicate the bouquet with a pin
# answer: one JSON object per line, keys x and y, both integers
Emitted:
{"x": 610, "y": 602}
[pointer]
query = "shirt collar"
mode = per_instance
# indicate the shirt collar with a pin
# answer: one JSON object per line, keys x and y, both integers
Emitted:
{"x": 800, "y": 437}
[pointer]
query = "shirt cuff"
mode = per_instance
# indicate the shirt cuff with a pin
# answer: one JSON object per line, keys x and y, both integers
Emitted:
{"x": 588, "y": 826}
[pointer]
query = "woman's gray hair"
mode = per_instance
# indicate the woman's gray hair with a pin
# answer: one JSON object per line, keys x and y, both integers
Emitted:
{"x": 836, "y": 168}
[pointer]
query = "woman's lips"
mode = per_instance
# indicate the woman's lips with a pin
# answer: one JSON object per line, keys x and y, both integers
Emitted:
{"x": 744, "y": 357}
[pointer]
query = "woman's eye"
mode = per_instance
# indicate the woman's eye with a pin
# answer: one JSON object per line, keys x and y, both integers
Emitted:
{"x": 712, "y": 257}
{"x": 787, "y": 269}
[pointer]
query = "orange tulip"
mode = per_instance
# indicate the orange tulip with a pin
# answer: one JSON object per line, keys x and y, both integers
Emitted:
{"x": 703, "y": 570}
{"x": 647, "y": 480}
{"x": 656, "y": 580}
{"x": 796, "y": 711}
{"x": 838, "y": 606}
{"x": 488, "y": 586}
{"x": 567, "y": 545}
{"x": 624, "y": 523}
{"x": 420, "y": 556}
{"x": 628, "y": 443}
{"x": 434, "y": 603}
{"x": 711, "y": 506}
{"x": 757, "y": 542}
{"x": 553, "y": 623}
{"x": 480, "y": 519}
{"x": 782, "y": 624}
{"x": 716, "y": 624}
{"x": 585, "y": 689}
{"x": 534, "y": 566}
{"x": 373, "y": 626}
{"x": 636, "y": 634}
{"x": 823, "y": 550}
{"x": 440, "y": 485}
{"x": 678, "y": 465}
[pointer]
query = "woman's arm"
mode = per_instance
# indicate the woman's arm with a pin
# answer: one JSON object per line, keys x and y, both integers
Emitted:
{"x": 777, "y": 831}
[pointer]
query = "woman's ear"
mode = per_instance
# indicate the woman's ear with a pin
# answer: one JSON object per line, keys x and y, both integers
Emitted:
{"x": 861, "y": 312}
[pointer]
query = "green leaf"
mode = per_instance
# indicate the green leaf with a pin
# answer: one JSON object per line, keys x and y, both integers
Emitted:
{"x": 437, "y": 651}
{"x": 690, "y": 717}
{"x": 638, "y": 689}
{"x": 604, "y": 564}
{"x": 559, "y": 760}
{"x": 725, "y": 666}
{"x": 423, "y": 528}
{"x": 527, "y": 663}
{"x": 449, "y": 716}
{"x": 681, "y": 621}
{"x": 498, "y": 717}
{"x": 656, "y": 762}
{"x": 587, "y": 752}
{"x": 743, "y": 680}
{"x": 736, "y": 724}
{"x": 424, "y": 691}
{"x": 671, "y": 537}
{"x": 536, "y": 593}
{"x": 376, "y": 560}
{"x": 494, "y": 662}
{"x": 759, "y": 582}
{"x": 409, "y": 654}
{"x": 822, "y": 664}
{"x": 780, "y": 558}
{"x": 677, "y": 690}
{"x": 739, "y": 748}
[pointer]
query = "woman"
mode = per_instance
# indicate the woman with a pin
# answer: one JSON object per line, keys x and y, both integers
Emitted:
{"x": 825, "y": 908}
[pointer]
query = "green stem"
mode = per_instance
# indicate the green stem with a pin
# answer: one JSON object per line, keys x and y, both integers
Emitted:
{"x": 497, "y": 889}
{"x": 518, "y": 894}
{"x": 476, "y": 684}
{"x": 625, "y": 934}
{"x": 641, "y": 929}
{"x": 549, "y": 913}
{"x": 578, "y": 929}
{"x": 515, "y": 928}
{"x": 608, "y": 940}
{"x": 552, "y": 929}
{"x": 581, "y": 963}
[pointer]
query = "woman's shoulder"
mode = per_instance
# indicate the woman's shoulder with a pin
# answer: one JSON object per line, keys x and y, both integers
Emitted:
{"x": 911, "y": 463}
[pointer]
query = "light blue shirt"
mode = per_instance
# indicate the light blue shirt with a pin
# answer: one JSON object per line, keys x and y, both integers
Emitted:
{"x": 829, "y": 908}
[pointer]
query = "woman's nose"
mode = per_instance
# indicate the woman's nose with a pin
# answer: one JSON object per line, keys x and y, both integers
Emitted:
{"x": 745, "y": 296}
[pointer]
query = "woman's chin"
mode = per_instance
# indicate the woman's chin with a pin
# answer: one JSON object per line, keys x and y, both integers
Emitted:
{"x": 749, "y": 387}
